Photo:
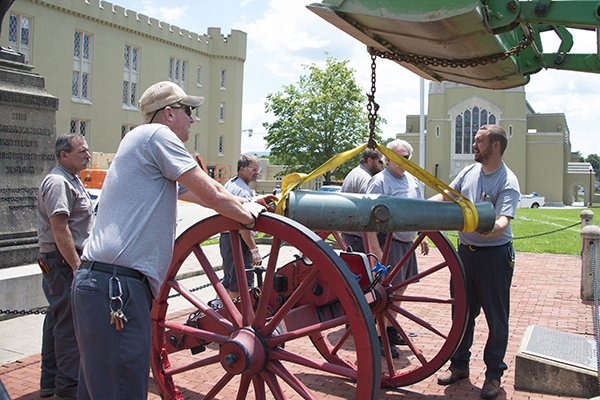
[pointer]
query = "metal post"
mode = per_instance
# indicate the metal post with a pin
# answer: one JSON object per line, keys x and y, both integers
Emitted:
{"x": 590, "y": 237}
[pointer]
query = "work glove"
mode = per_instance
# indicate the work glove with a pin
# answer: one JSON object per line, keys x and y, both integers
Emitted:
{"x": 266, "y": 201}
{"x": 256, "y": 258}
{"x": 255, "y": 209}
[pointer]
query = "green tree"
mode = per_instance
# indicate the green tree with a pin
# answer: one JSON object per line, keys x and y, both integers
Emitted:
{"x": 595, "y": 161}
{"x": 321, "y": 116}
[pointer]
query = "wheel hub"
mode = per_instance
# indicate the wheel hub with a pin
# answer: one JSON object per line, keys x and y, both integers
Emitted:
{"x": 245, "y": 352}
{"x": 380, "y": 299}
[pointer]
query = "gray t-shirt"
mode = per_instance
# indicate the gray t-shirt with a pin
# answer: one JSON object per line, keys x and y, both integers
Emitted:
{"x": 135, "y": 226}
{"x": 356, "y": 181}
{"x": 237, "y": 187}
{"x": 501, "y": 188}
{"x": 61, "y": 192}
{"x": 389, "y": 184}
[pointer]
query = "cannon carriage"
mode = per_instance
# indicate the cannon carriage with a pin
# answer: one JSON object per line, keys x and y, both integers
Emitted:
{"x": 312, "y": 296}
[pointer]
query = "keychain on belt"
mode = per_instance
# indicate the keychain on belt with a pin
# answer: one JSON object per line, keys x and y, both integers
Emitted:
{"x": 116, "y": 315}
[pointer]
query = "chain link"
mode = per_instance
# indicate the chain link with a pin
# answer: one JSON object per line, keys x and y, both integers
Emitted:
{"x": 531, "y": 236}
{"x": 452, "y": 63}
{"x": 23, "y": 312}
{"x": 373, "y": 107}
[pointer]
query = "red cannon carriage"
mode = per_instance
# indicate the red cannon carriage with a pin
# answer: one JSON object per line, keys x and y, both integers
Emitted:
{"x": 313, "y": 295}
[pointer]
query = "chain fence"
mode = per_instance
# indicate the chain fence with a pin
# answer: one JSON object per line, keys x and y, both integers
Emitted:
{"x": 532, "y": 236}
{"x": 43, "y": 311}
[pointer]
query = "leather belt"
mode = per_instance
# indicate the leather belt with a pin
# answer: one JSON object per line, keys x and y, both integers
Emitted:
{"x": 109, "y": 268}
{"x": 476, "y": 248}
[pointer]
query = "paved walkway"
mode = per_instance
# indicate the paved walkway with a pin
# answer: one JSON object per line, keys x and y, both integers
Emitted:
{"x": 545, "y": 293}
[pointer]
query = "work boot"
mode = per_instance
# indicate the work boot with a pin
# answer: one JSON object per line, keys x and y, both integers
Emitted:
{"x": 46, "y": 392}
{"x": 452, "y": 375}
{"x": 393, "y": 349}
{"x": 395, "y": 337}
{"x": 490, "y": 389}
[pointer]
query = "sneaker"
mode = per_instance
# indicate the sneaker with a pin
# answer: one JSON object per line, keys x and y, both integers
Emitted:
{"x": 393, "y": 349}
{"x": 46, "y": 392}
{"x": 490, "y": 389}
{"x": 395, "y": 337}
{"x": 452, "y": 375}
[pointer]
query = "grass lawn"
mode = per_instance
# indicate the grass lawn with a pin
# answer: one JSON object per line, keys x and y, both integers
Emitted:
{"x": 530, "y": 222}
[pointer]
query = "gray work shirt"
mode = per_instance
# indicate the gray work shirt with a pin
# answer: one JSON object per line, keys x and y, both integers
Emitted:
{"x": 356, "y": 182}
{"x": 135, "y": 226}
{"x": 61, "y": 192}
{"x": 501, "y": 188}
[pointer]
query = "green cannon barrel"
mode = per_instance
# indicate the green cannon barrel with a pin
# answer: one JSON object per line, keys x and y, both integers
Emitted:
{"x": 379, "y": 213}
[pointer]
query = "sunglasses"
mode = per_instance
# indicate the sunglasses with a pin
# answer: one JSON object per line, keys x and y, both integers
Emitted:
{"x": 186, "y": 109}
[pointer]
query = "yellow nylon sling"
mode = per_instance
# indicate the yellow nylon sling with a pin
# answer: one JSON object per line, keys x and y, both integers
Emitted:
{"x": 292, "y": 181}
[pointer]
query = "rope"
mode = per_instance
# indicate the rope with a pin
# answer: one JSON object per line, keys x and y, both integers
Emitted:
{"x": 596, "y": 317}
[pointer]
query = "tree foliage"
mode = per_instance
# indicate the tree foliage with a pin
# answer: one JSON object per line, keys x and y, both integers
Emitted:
{"x": 321, "y": 116}
{"x": 595, "y": 161}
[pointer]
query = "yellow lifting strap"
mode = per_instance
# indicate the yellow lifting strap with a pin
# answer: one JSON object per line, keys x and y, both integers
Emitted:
{"x": 292, "y": 181}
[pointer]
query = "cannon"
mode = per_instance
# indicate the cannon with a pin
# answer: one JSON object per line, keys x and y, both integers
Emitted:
{"x": 329, "y": 304}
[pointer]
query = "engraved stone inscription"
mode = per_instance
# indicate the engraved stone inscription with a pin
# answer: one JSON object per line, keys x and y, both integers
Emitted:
{"x": 562, "y": 347}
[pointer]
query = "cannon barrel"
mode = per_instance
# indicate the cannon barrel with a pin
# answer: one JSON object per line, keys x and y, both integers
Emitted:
{"x": 380, "y": 213}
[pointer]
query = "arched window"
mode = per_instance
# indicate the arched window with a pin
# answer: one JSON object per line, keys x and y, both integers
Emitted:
{"x": 466, "y": 126}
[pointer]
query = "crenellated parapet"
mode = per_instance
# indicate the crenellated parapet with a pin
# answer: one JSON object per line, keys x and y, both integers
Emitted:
{"x": 213, "y": 44}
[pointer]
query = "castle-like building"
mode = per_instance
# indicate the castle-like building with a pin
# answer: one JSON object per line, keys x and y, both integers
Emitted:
{"x": 98, "y": 59}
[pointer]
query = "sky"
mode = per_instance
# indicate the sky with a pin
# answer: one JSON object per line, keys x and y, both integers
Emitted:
{"x": 284, "y": 37}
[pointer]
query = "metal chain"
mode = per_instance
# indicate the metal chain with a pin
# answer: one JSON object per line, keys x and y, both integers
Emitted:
{"x": 373, "y": 107}
{"x": 596, "y": 316}
{"x": 547, "y": 233}
{"x": 23, "y": 312}
{"x": 532, "y": 236}
{"x": 452, "y": 63}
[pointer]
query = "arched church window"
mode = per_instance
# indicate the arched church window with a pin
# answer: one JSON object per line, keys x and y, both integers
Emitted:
{"x": 466, "y": 126}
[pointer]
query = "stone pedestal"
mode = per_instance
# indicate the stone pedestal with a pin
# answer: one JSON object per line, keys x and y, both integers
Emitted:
{"x": 555, "y": 362}
{"x": 27, "y": 139}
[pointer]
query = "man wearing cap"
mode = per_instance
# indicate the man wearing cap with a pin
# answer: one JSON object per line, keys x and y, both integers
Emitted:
{"x": 130, "y": 247}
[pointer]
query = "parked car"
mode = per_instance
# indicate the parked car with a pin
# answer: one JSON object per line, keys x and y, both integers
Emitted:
{"x": 531, "y": 201}
{"x": 330, "y": 189}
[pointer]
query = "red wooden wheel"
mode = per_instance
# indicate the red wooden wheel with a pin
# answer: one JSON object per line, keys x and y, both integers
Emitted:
{"x": 434, "y": 306}
{"x": 248, "y": 347}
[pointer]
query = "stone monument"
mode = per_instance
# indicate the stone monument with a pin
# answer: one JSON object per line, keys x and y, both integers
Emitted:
{"x": 27, "y": 138}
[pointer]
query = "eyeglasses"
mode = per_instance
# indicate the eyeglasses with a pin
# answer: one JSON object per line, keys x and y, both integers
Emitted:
{"x": 255, "y": 170}
{"x": 406, "y": 156}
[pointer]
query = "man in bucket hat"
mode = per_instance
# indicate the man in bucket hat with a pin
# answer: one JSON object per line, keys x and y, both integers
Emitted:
{"x": 130, "y": 247}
